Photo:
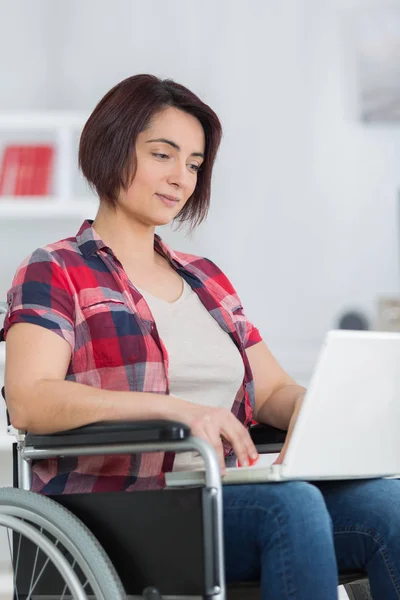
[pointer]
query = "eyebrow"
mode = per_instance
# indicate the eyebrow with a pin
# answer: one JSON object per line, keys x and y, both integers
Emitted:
{"x": 174, "y": 145}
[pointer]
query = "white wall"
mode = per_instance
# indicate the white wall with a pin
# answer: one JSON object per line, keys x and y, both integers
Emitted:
{"x": 304, "y": 210}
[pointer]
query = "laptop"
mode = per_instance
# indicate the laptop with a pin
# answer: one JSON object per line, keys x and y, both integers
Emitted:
{"x": 349, "y": 423}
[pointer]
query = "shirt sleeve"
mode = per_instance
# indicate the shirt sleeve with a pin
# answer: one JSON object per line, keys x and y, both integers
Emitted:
{"x": 249, "y": 334}
{"x": 40, "y": 295}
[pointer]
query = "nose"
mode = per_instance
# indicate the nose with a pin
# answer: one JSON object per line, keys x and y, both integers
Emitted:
{"x": 178, "y": 175}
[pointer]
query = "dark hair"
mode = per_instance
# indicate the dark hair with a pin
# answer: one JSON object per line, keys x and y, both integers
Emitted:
{"x": 107, "y": 143}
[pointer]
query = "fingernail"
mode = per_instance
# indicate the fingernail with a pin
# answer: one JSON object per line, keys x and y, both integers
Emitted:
{"x": 254, "y": 454}
{"x": 245, "y": 463}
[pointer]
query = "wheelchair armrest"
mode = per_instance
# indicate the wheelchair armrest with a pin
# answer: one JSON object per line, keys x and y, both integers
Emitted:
{"x": 267, "y": 439}
{"x": 115, "y": 432}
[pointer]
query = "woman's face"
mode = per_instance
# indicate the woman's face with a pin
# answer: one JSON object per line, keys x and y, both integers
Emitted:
{"x": 169, "y": 154}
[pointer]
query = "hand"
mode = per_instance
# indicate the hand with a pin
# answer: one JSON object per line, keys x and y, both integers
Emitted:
{"x": 214, "y": 425}
{"x": 293, "y": 419}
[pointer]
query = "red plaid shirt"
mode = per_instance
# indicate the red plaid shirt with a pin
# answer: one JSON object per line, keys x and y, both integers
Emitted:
{"x": 78, "y": 289}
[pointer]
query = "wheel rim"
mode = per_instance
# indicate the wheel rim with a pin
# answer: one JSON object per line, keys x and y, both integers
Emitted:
{"x": 73, "y": 537}
{"x": 46, "y": 553}
{"x": 76, "y": 553}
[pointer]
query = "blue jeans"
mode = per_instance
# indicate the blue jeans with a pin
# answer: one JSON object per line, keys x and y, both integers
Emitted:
{"x": 293, "y": 537}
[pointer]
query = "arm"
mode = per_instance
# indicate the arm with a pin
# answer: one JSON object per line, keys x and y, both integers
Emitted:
{"x": 277, "y": 395}
{"x": 41, "y": 401}
{"x": 38, "y": 397}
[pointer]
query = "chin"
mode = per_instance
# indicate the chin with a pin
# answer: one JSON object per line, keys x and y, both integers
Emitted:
{"x": 160, "y": 220}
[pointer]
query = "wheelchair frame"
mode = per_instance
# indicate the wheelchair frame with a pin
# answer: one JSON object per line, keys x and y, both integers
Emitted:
{"x": 214, "y": 576}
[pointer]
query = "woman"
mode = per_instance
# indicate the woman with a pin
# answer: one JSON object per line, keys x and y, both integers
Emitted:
{"x": 145, "y": 332}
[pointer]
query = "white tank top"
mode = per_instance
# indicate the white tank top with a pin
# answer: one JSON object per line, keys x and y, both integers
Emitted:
{"x": 205, "y": 366}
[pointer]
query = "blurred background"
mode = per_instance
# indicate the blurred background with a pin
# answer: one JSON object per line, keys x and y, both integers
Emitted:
{"x": 305, "y": 209}
{"x": 305, "y": 205}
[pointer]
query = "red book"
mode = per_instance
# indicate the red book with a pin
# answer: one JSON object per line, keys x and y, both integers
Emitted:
{"x": 9, "y": 170}
{"x": 43, "y": 170}
{"x": 27, "y": 170}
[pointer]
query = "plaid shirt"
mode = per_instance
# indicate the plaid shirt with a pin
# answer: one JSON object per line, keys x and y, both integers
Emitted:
{"x": 78, "y": 289}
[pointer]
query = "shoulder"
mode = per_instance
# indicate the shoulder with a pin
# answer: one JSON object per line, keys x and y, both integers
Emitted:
{"x": 46, "y": 261}
{"x": 60, "y": 252}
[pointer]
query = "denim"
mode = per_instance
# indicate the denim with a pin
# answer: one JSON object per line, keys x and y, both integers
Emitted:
{"x": 293, "y": 537}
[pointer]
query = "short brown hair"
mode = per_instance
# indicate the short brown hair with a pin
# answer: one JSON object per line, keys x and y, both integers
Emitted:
{"x": 107, "y": 142}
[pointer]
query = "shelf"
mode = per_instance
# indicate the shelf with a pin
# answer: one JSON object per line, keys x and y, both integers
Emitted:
{"x": 13, "y": 120}
{"x": 32, "y": 207}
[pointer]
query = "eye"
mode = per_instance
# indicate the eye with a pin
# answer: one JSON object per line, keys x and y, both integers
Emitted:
{"x": 195, "y": 168}
{"x": 160, "y": 155}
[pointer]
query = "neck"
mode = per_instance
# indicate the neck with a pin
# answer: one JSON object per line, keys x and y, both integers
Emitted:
{"x": 130, "y": 240}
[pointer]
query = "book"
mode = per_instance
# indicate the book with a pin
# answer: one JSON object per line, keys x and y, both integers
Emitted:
{"x": 9, "y": 170}
{"x": 234, "y": 475}
{"x": 26, "y": 170}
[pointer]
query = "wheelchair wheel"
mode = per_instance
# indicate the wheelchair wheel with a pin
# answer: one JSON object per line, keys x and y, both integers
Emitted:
{"x": 53, "y": 554}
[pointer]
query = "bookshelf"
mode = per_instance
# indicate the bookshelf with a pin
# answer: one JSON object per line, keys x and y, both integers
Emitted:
{"x": 27, "y": 222}
{"x": 69, "y": 195}
{"x": 46, "y": 207}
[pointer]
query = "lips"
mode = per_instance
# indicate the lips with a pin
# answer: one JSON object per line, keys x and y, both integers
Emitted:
{"x": 168, "y": 200}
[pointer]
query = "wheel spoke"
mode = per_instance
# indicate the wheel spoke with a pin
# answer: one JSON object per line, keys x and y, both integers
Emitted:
{"x": 34, "y": 566}
{"x": 39, "y": 530}
{"x": 12, "y": 560}
{"x": 40, "y": 574}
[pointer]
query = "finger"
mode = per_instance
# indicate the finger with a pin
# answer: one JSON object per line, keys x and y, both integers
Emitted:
{"x": 252, "y": 450}
{"x": 237, "y": 438}
{"x": 215, "y": 438}
{"x": 242, "y": 437}
{"x": 205, "y": 432}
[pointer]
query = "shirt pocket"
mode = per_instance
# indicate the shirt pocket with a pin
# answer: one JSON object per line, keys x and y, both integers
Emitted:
{"x": 113, "y": 331}
{"x": 98, "y": 310}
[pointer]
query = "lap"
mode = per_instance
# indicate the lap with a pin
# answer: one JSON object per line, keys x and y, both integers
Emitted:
{"x": 365, "y": 517}
{"x": 366, "y": 502}
{"x": 298, "y": 504}
{"x": 314, "y": 528}
{"x": 285, "y": 493}
{"x": 346, "y": 501}
{"x": 371, "y": 505}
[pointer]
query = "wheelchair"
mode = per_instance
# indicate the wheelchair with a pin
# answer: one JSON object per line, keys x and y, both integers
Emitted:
{"x": 149, "y": 545}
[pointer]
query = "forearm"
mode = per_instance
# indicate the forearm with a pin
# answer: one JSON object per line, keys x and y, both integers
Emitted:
{"x": 278, "y": 409}
{"x": 54, "y": 405}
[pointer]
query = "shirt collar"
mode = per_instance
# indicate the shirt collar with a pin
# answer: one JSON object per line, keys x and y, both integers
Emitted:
{"x": 88, "y": 240}
{"x": 89, "y": 243}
